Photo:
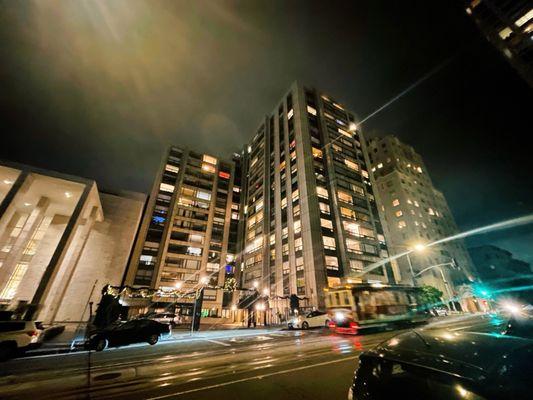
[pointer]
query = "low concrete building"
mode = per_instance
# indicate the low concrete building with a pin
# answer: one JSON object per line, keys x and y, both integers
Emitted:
{"x": 61, "y": 241}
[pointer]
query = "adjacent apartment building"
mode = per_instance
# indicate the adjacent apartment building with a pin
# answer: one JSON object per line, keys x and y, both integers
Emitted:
{"x": 311, "y": 219}
{"x": 415, "y": 214}
{"x": 61, "y": 241}
{"x": 189, "y": 234}
{"x": 508, "y": 25}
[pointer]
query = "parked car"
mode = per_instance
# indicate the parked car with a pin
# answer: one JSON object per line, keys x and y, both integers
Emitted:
{"x": 439, "y": 311}
{"x": 314, "y": 319}
{"x": 18, "y": 336}
{"x": 439, "y": 364}
{"x": 166, "y": 318}
{"x": 124, "y": 333}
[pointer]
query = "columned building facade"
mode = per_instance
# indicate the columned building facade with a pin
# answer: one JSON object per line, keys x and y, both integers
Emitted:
{"x": 311, "y": 220}
{"x": 188, "y": 238}
{"x": 61, "y": 241}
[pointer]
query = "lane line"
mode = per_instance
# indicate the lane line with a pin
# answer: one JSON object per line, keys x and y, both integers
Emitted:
{"x": 251, "y": 378}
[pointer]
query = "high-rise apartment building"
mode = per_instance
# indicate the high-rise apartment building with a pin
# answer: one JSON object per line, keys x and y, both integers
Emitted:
{"x": 415, "y": 213}
{"x": 508, "y": 25}
{"x": 189, "y": 234}
{"x": 311, "y": 220}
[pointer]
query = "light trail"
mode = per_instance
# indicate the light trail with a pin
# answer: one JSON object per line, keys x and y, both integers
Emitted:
{"x": 510, "y": 223}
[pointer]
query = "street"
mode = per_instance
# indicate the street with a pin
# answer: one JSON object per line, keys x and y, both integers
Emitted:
{"x": 238, "y": 364}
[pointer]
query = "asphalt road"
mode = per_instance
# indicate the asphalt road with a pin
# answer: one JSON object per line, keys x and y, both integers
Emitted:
{"x": 313, "y": 364}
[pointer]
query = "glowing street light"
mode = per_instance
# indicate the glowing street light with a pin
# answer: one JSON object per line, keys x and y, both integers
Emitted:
{"x": 352, "y": 127}
{"x": 266, "y": 292}
{"x": 419, "y": 247}
{"x": 233, "y": 307}
{"x": 204, "y": 280}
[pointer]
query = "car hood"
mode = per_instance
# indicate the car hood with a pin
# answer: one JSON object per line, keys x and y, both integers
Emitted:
{"x": 466, "y": 354}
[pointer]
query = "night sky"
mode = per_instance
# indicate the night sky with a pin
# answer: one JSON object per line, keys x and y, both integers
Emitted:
{"x": 99, "y": 89}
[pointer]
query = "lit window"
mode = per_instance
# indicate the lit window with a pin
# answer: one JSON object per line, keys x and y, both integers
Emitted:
{"x": 209, "y": 159}
{"x": 351, "y": 227}
{"x": 203, "y": 195}
{"x": 223, "y": 175}
{"x": 350, "y": 164}
{"x": 345, "y": 133}
{"x": 332, "y": 262}
{"x": 356, "y": 265}
{"x": 353, "y": 246}
{"x": 196, "y": 238}
{"x": 524, "y": 18}
{"x": 14, "y": 281}
{"x": 380, "y": 165}
{"x": 416, "y": 204}
{"x": 194, "y": 251}
{"x": 419, "y": 169}
{"x": 329, "y": 242}
{"x": 399, "y": 213}
{"x": 311, "y": 110}
{"x": 172, "y": 168}
{"x": 431, "y": 212}
{"x": 322, "y": 192}
{"x": 402, "y": 224}
{"x": 290, "y": 113}
{"x": 395, "y": 202}
{"x": 505, "y": 33}
{"x": 326, "y": 223}
{"x": 317, "y": 153}
{"x": 364, "y": 173}
{"x": 297, "y": 226}
{"x": 165, "y": 187}
{"x": 345, "y": 197}
{"x": 324, "y": 208}
{"x": 207, "y": 167}
{"x": 259, "y": 205}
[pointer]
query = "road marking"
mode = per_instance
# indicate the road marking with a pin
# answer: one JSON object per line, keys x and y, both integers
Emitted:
{"x": 251, "y": 378}
{"x": 217, "y": 342}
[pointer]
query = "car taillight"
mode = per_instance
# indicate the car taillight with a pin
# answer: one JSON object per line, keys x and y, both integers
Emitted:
{"x": 353, "y": 325}
{"x": 32, "y": 333}
{"x": 331, "y": 324}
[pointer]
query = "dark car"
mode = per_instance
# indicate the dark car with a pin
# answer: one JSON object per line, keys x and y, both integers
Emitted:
{"x": 124, "y": 333}
{"x": 438, "y": 364}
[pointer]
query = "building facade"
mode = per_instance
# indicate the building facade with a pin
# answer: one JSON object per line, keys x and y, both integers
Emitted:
{"x": 500, "y": 271}
{"x": 415, "y": 214}
{"x": 189, "y": 234}
{"x": 508, "y": 25}
{"x": 61, "y": 241}
{"x": 311, "y": 220}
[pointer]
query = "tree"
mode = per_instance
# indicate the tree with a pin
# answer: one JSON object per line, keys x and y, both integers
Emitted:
{"x": 430, "y": 295}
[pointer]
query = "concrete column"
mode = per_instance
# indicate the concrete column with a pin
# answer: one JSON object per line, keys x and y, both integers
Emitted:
{"x": 17, "y": 185}
{"x": 30, "y": 226}
{"x": 71, "y": 264}
{"x": 59, "y": 254}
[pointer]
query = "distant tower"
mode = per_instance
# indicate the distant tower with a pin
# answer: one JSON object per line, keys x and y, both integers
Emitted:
{"x": 508, "y": 25}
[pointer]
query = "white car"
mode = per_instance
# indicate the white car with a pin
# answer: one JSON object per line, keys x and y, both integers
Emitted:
{"x": 18, "y": 336}
{"x": 167, "y": 318}
{"x": 314, "y": 319}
